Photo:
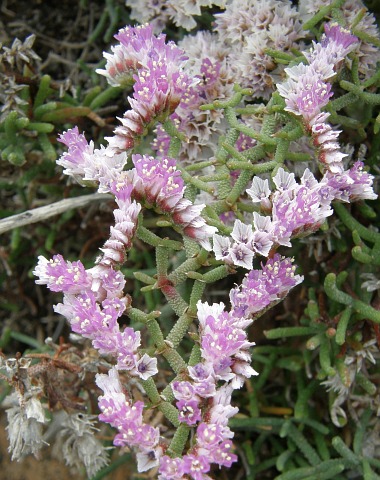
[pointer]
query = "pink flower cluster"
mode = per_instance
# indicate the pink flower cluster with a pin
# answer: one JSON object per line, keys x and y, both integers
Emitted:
{"x": 224, "y": 344}
{"x": 201, "y": 399}
{"x": 92, "y": 303}
{"x": 263, "y": 288}
{"x": 307, "y": 91}
{"x": 117, "y": 410}
{"x": 158, "y": 183}
{"x": 155, "y": 69}
{"x": 87, "y": 164}
{"x": 213, "y": 445}
{"x": 137, "y": 47}
{"x": 296, "y": 209}
{"x": 61, "y": 276}
{"x": 153, "y": 181}
{"x": 94, "y": 299}
{"x": 202, "y": 402}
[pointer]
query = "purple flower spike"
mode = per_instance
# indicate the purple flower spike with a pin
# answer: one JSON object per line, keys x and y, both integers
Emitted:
{"x": 306, "y": 91}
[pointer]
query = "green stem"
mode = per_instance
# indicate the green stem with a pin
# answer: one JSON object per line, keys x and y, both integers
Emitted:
{"x": 196, "y": 181}
{"x": 334, "y": 293}
{"x": 341, "y": 330}
{"x": 199, "y": 165}
{"x": 351, "y": 223}
{"x": 239, "y": 187}
{"x": 105, "y": 96}
{"x": 179, "y": 441}
{"x": 219, "y": 104}
{"x": 255, "y": 169}
{"x": 261, "y": 137}
{"x": 162, "y": 261}
{"x": 371, "y": 98}
{"x": 43, "y": 91}
{"x": 179, "y": 275}
{"x": 170, "y": 412}
{"x": 304, "y": 446}
{"x": 366, "y": 384}
{"x": 321, "y": 14}
{"x": 324, "y": 356}
{"x": 196, "y": 293}
{"x": 180, "y": 329}
{"x": 195, "y": 356}
{"x": 288, "y": 332}
{"x": 345, "y": 452}
{"x": 151, "y": 238}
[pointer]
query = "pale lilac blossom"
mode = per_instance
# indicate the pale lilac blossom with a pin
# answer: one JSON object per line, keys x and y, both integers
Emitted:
{"x": 221, "y": 340}
{"x": 261, "y": 243}
{"x": 158, "y": 182}
{"x": 284, "y": 180}
{"x": 242, "y": 232}
{"x": 61, "y": 276}
{"x": 297, "y": 210}
{"x": 351, "y": 185}
{"x": 156, "y": 70}
{"x": 241, "y": 255}
{"x": 260, "y": 192}
{"x": 74, "y": 159}
{"x": 126, "y": 417}
{"x": 307, "y": 95}
{"x": 183, "y": 390}
{"x": 189, "y": 411}
{"x": 221, "y": 248}
{"x": 352, "y": 12}
{"x": 196, "y": 466}
{"x": 85, "y": 163}
{"x": 170, "y": 468}
{"x": 137, "y": 46}
{"x": 265, "y": 287}
{"x": 146, "y": 367}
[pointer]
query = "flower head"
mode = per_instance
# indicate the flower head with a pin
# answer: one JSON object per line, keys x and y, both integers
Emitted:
{"x": 189, "y": 411}
{"x": 62, "y": 276}
{"x": 260, "y": 288}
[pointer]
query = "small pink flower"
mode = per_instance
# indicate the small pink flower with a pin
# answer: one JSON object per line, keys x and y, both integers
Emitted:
{"x": 189, "y": 411}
